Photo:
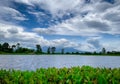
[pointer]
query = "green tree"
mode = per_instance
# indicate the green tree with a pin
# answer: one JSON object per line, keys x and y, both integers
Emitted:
{"x": 53, "y": 50}
{"x": 39, "y": 49}
{"x": 13, "y": 47}
{"x": 103, "y": 51}
{"x": 18, "y": 48}
{"x": 0, "y": 47}
{"x": 94, "y": 52}
{"x": 18, "y": 45}
{"x": 77, "y": 53}
{"x": 5, "y": 47}
{"x": 62, "y": 51}
{"x": 48, "y": 50}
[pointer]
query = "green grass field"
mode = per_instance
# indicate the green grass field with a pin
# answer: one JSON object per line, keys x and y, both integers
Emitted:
{"x": 73, "y": 75}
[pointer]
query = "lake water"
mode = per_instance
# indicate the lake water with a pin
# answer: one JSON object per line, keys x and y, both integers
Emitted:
{"x": 32, "y": 62}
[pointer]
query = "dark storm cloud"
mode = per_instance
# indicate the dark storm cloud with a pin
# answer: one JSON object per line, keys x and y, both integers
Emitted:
{"x": 97, "y": 25}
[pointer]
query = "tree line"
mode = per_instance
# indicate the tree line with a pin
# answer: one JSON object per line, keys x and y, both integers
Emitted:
{"x": 16, "y": 48}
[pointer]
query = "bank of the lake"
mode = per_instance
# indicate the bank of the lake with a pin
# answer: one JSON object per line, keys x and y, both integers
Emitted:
{"x": 60, "y": 54}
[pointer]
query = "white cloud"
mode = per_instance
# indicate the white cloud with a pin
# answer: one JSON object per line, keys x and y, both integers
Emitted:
{"x": 59, "y": 8}
{"x": 73, "y": 26}
{"x": 10, "y": 15}
{"x": 102, "y": 17}
{"x": 56, "y": 8}
{"x": 112, "y": 46}
{"x": 15, "y": 33}
{"x": 28, "y": 2}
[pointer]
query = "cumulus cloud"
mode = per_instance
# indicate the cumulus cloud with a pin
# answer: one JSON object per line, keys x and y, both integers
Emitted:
{"x": 15, "y": 33}
{"x": 73, "y": 26}
{"x": 97, "y": 21}
{"x": 98, "y": 13}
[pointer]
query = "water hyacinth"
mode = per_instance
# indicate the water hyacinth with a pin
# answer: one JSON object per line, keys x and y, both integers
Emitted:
{"x": 73, "y": 75}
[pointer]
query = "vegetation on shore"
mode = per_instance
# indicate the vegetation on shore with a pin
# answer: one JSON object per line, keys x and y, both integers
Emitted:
{"x": 73, "y": 75}
{"x": 5, "y": 48}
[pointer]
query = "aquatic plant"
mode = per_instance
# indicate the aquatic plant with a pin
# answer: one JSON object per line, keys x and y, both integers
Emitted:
{"x": 73, "y": 75}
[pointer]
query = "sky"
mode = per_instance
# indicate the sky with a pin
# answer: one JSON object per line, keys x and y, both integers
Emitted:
{"x": 83, "y": 25}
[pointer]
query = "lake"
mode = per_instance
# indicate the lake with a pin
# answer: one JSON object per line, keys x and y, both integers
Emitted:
{"x": 32, "y": 62}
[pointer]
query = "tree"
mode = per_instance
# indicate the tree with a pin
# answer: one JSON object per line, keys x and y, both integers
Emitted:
{"x": 62, "y": 51}
{"x": 0, "y": 47}
{"x": 18, "y": 45}
{"x": 77, "y": 52}
{"x": 39, "y": 49}
{"x": 5, "y": 47}
{"x": 13, "y": 47}
{"x": 103, "y": 50}
{"x": 48, "y": 50}
{"x": 94, "y": 52}
{"x": 53, "y": 50}
{"x": 18, "y": 49}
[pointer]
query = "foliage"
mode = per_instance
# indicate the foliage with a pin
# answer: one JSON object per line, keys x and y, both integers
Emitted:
{"x": 48, "y": 50}
{"x": 39, "y": 49}
{"x": 7, "y": 49}
{"x": 62, "y": 51}
{"x": 53, "y": 50}
{"x": 103, "y": 51}
{"x": 74, "y": 75}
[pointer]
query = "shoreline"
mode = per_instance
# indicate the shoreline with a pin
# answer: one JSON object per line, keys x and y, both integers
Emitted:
{"x": 64, "y": 54}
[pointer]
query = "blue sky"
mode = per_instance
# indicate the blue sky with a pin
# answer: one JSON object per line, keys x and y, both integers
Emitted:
{"x": 84, "y": 25}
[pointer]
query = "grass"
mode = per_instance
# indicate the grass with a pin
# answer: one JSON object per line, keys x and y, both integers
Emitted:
{"x": 73, "y": 75}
